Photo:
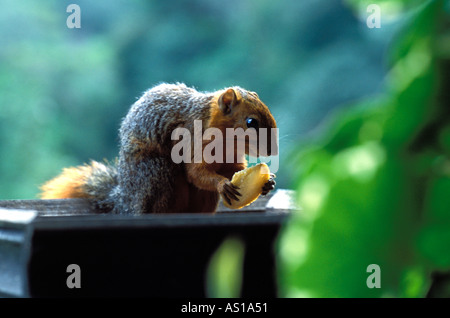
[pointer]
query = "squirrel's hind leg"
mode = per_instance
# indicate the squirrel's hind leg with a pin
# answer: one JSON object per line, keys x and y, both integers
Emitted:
{"x": 146, "y": 186}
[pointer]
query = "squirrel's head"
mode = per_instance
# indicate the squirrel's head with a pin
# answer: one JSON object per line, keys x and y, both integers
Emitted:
{"x": 242, "y": 110}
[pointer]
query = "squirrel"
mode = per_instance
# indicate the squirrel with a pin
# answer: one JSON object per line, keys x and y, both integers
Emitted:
{"x": 144, "y": 178}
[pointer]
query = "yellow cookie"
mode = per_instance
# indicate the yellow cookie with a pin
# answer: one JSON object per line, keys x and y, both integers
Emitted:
{"x": 250, "y": 182}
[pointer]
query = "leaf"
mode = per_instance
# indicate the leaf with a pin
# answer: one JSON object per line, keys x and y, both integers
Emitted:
{"x": 224, "y": 274}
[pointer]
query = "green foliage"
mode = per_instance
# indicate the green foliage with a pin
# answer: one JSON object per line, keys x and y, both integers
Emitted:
{"x": 224, "y": 274}
{"x": 375, "y": 189}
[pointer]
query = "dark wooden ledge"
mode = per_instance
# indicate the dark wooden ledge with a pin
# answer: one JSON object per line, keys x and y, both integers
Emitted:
{"x": 279, "y": 201}
{"x": 162, "y": 255}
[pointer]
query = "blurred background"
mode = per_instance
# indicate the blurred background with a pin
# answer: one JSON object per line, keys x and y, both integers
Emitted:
{"x": 363, "y": 115}
{"x": 63, "y": 92}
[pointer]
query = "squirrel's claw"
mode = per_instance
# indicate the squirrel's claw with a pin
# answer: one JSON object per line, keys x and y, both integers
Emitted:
{"x": 229, "y": 191}
{"x": 270, "y": 185}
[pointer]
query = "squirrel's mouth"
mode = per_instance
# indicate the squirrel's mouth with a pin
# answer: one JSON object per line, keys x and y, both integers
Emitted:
{"x": 258, "y": 150}
{"x": 265, "y": 145}
{"x": 252, "y": 148}
{"x": 238, "y": 146}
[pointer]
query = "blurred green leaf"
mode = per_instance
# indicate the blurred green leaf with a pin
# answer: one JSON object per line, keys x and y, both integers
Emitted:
{"x": 363, "y": 187}
{"x": 224, "y": 274}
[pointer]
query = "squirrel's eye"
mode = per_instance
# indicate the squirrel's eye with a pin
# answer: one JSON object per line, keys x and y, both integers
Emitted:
{"x": 252, "y": 123}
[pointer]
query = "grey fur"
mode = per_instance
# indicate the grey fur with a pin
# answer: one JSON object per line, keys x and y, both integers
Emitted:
{"x": 145, "y": 177}
{"x": 144, "y": 183}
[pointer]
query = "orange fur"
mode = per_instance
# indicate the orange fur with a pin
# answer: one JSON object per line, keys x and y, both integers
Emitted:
{"x": 69, "y": 184}
{"x": 209, "y": 176}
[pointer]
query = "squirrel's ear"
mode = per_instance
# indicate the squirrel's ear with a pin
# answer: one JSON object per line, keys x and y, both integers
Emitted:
{"x": 228, "y": 100}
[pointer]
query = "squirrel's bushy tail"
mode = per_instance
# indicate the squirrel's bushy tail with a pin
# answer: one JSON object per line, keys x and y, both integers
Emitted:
{"x": 93, "y": 181}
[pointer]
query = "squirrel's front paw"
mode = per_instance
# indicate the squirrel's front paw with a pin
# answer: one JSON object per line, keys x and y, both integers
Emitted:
{"x": 228, "y": 191}
{"x": 269, "y": 185}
